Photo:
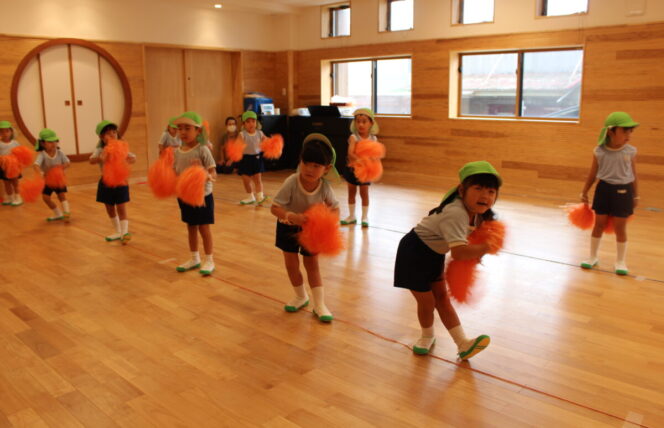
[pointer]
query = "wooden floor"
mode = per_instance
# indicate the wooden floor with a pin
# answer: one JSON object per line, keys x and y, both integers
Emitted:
{"x": 99, "y": 335}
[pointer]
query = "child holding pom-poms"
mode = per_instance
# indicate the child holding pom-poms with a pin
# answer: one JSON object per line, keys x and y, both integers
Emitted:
{"x": 363, "y": 127}
{"x": 301, "y": 190}
{"x": 251, "y": 166}
{"x": 114, "y": 197}
{"x": 196, "y": 169}
{"x": 421, "y": 253}
{"x": 50, "y": 162}
{"x": 616, "y": 194}
{"x": 10, "y": 179}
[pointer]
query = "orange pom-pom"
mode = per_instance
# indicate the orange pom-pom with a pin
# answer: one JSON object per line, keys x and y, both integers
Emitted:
{"x": 55, "y": 177}
{"x": 31, "y": 188}
{"x": 367, "y": 169}
{"x": 161, "y": 175}
{"x": 25, "y": 155}
{"x": 11, "y": 166}
{"x": 369, "y": 149}
{"x": 115, "y": 171}
{"x": 234, "y": 149}
{"x": 460, "y": 276}
{"x": 272, "y": 147}
{"x": 581, "y": 216}
{"x": 190, "y": 187}
{"x": 320, "y": 233}
{"x": 491, "y": 232}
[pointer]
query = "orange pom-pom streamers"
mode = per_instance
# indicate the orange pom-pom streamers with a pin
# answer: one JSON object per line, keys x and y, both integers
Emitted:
{"x": 190, "y": 186}
{"x": 320, "y": 234}
{"x": 55, "y": 178}
{"x": 367, "y": 169}
{"x": 460, "y": 276}
{"x": 11, "y": 166}
{"x": 234, "y": 149}
{"x": 31, "y": 188}
{"x": 369, "y": 149}
{"x": 161, "y": 175}
{"x": 116, "y": 170}
{"x": 25, "y": 155}
{"x": 272, "y": 147}
{"x": 581, "y": 216}
{"x": 492, "y": 232}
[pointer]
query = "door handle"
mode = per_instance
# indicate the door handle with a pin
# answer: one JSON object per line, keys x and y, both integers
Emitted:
{"x": 67, "y": 102}
{"x": 79, "y": 102}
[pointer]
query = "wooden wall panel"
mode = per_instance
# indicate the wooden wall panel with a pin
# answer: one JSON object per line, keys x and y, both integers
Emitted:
{"x": 622, "y": 71}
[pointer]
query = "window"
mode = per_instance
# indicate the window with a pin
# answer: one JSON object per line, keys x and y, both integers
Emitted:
{"x": 473, "y": 11}
{"x": 339, "y": 20}
{"x": 399, "y": 15}
{"x": 563, "y": 7}
{"x": 526, "y": 84}
{"x": 382, "y": 84}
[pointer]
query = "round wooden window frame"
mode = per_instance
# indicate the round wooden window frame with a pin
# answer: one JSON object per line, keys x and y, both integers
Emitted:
{"x": 126, "y": 115}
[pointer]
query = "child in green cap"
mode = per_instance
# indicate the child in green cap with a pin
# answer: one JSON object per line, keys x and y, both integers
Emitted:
{"x": 195, "y": 151}
{"x": 50, "y": 156}
{"x": 251, "y": 166}
{"x": 421, "y": 254}
{"x": 170, "y": 137}
{"x": 115, "y": 199}
{"x": 301, "y": 190}
{"x": 7, "y": 143}
{"x": 363, "y": 127}
{"x": 616, "y": 194}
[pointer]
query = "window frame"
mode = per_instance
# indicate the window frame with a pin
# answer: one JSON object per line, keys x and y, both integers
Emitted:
{"x": 332, "y": 20}
{"x": 542, "y": 10}
{"x": 457, "y": 14}
{"x": 374, "y": 81}
{"x": 388, "y": 26}
{"x": 518, "y": 105}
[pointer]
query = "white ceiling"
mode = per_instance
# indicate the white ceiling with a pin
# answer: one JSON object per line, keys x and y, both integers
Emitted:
{"x": 259, "y": 6}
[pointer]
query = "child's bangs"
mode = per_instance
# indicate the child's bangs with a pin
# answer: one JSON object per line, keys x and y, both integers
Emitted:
{"x": 317, "y": 152}
{"x": 484, "y": 180}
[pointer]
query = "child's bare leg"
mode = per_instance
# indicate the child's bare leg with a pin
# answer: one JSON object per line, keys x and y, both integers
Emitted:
{"x": 620, "y": 226}
{"x": 316, "y": 284}
{"x": 364, "y": 194}
{"x": 49, "y": 203}
{"x": 115, "y": 222}
{"x": 250, "y": 199}
{"x": 301, "y": 299}
{"x": 595, "y": 238}
{"x": 426, "y": 303}
{"x": 195, "y": 260}
{"x": 352, "y": 189}
{"x": 206, "y": 235}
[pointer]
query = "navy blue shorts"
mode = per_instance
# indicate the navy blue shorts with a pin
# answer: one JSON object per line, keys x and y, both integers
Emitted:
{"x": 287, "y": 239}
{"x": 4, "y": 177}
{"x": 417, "y": 266}
{"x": 616, "y": 200}
{"x": 251, "y": 165}
{"x": 112, "y": 195}
{"x": 349, "y": 176}
{"x": 197, "y": 216}
{"x": 49, "y": 190}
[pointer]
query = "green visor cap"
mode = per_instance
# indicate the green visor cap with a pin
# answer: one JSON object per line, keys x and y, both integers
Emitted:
{"x": 619, "y": 119}
{"x": 5, "y": 124}
{"x": 474, "y": 168}
{"x": 333, "y": 173}
{"x": 48, "y": 135}
{"x": 374, "y": 130}
{"x": 171, "y": 122}
{"x": 249, "y": 115}
{"x": 189, "y": 118}
{"x": 103, "y": 124}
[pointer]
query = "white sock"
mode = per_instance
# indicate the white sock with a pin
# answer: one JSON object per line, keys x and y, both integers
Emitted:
{"x": 250, "y": 196}
{"x": 621, "y": 248}
{"x": 594, "y": 247}
{"x": 319, "y": 301}
{"x": 11, "y": 197}
{"x": 365, "y": 212}
{"x": 195, "y": 256}
{"x": 300, "y": 292}
{"x": 115, "y": 221}
{"x": 426, "y": 340}
{"x": 259, "y": 196}
{"x": 65, "y": 206}
{"x": 56, "y": 212}
{"x": 427, "y": 331}
{"x": 124, "y": 227}
{"x": 209, "y": 258}
{"x": 351, "y": 212}
{"x": 458, "y": 336}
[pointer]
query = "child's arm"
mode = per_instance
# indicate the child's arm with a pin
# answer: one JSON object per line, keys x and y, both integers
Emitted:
{"x": 37, "y": 169}
{"x": 351, "y": 149}
{"x": 592, "y": 176}
{"x": 212, "y": 174}
{"x": 471, "y": 251}
{"x": 635, "y": 184}
{"x": 288, "y": 216}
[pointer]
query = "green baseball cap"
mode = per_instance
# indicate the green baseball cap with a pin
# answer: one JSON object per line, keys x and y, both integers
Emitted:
{"x": 615, "y": 119}
{"x": 320, "y": 137}
{"x": 48, "y": 135}
{"x": 474, "y": 168}
{"x": 249, "y": 115}
{"x": 374, "y": 130}
{"x": 171, "y": 122}
{"x": 103, "y": 124}
{"x": 5, "y": 124}
{"x": 189, "y": 118}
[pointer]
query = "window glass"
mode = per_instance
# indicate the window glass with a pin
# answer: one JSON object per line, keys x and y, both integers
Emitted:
{"x": 475, "y": 11}
{"x": 564, "y": 7}
{"x": 340, "y": 21}
{"x": 393, "y": 86}
{"x": 353, "y": 80}
{"x": 401, "y": 14}
{"x": 488, "y": 84}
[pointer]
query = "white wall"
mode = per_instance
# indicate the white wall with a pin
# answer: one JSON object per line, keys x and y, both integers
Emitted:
{"x": 142, "y": 21}
{"x": 433, "y": 21}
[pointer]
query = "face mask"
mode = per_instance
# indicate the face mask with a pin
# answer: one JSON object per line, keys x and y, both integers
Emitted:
{"x": 231, "y": 128}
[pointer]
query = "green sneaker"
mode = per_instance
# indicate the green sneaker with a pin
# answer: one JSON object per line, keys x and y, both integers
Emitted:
{"x": 324, "y": 318}
{"x": 589, "y": 264}
{"x": 293, "y": 308}
{"x": 125, "y": 238}
{"x": 365, "y": 223}
{"x": 55, "y": 218}
{"x": 265, "y": 198}
{"x": 188, "y": 265}
{"x": 115, "y": 237}
{"x": 346, "y": 221}
{"x": 621, "y": 268}
{"x": 423, "y": 350}
{"x": 478, "y": 345}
